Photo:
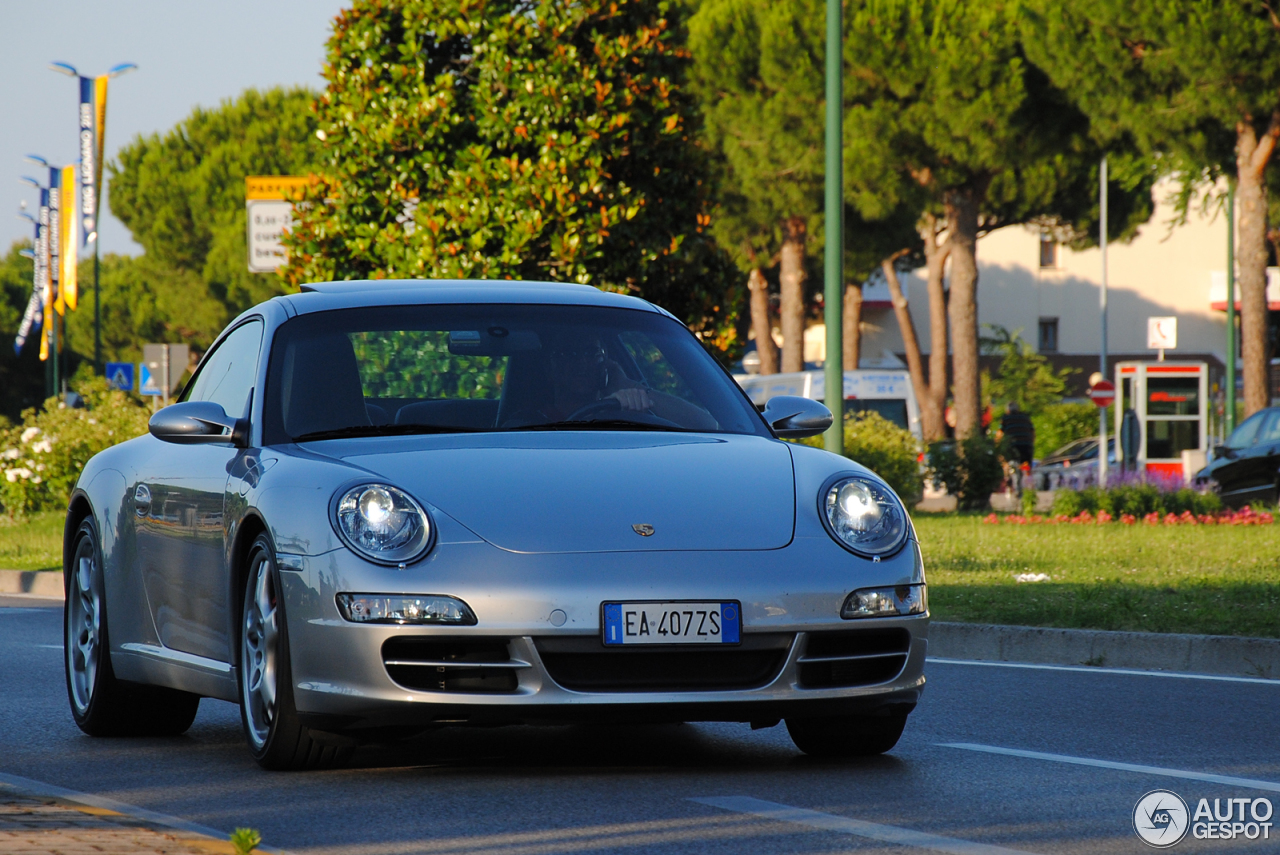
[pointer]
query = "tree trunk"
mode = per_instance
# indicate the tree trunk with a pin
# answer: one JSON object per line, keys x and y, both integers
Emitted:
{"x": 962, "y": 235}
{"x": 1252, "y": 155}
{"x": 851, "y": 321}
{"x": 910, "y": 343}
{"x": 761, "y": 323}
{"x": 792, "y": 304}
{"x": 933, "y": 405}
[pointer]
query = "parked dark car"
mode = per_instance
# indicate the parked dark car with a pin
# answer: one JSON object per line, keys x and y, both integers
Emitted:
{"x": 1246, "y": 468}
{"x": 1073, "y": 465}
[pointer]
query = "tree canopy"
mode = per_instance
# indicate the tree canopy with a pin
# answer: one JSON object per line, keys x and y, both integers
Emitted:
{"x": 1196, "y": 83}
{"x": 508, "y": 139}
{"x": 182, "y": 194}
{"x": 946, "y": 114}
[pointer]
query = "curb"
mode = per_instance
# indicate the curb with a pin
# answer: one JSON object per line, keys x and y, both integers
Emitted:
{"x": 41, "y": 583}
{"x": 1148, "y": 651}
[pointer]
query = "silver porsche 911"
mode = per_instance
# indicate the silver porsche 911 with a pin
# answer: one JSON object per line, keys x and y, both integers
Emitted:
{"x": 383, "y": 507}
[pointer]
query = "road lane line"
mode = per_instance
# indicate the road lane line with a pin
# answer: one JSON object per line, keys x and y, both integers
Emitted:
{"x": 1248, "y": 783}
{"x": 40, "y": 788}
{"x": 1091, "y": 669}
{"x": 870, "y": 830}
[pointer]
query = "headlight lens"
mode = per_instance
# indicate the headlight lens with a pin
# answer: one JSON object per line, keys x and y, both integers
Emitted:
{"x": 381, "y": 608}
{"x": 885, "y": 602}
{"x": 865, "y": 516}
{"x": 382, "y": 523}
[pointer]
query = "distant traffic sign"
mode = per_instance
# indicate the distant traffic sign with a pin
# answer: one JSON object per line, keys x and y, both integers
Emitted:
{"x": 120, "y": 375}
{"x": 1103, "y": 393}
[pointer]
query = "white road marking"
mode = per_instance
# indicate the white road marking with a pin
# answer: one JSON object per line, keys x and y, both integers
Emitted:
{"x": 870, "y": 830}
{"x": 1228, "y": 780}
{"x": 1090, "y": 669}
{"x": 29, "y": 785}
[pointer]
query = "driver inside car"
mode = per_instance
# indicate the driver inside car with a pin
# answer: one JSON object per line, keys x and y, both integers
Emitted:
{"x": 582, "y": 373}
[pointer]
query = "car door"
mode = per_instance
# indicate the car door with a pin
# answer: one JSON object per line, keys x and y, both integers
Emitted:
{"x": 180, "y": 502}
{"x": 1263, "y": 460}
{"x": 1232, "y": 472}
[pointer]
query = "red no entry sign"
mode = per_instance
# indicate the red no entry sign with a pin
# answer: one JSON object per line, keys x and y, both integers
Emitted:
{"x": 1103, "y": 393}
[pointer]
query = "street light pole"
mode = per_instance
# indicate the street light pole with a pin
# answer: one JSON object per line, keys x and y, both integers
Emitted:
{"x": 1102, "y": 314}
{"x": 833, "y": 213}
{"x": 1229, "y": 417}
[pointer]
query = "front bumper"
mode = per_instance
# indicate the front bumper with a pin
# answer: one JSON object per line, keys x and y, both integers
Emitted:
{"x": 798, "y": 656}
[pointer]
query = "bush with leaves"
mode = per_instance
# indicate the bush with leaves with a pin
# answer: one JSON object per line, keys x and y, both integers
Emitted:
{"x": 41, "y": 458}
{"x": 970, "y": 469}
{"x": 886, "y": 449}
{"x": 510, "y": 139}
{"x": 1135, "y": 499}
{"x": 1058, "y": 424}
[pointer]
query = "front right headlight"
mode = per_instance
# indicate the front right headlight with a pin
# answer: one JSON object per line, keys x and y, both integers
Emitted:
{"x": 864, "y": 516}
{"x": 382, "y": 523}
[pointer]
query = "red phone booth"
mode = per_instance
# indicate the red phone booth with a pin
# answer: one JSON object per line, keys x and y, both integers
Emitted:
{"x": 1171, "y": 403}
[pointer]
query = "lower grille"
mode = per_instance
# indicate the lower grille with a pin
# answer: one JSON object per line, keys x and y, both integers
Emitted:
{"x": 585, "y": 664}
{"x": 861, "y": 657}
{"x": 477, "y": 665}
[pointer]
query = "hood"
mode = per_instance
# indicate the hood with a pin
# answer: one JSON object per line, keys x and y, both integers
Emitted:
{"x": 584, "y": 491}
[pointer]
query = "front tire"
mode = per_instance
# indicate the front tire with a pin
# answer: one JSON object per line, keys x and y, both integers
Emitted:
{"x": 101, "y": 704}
{"x": 277, "y": 739}
{"x": 847, "y": 735}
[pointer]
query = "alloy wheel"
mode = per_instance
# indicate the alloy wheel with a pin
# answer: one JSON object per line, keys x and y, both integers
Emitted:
{"x": 84, "y": 626}
{"x": 259, "y": 648}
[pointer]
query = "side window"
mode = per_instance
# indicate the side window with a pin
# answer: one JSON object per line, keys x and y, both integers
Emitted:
{"x": 227, "y": 375}
{"x": 1243, "y": 436}
{"x": 1269, "y": 433}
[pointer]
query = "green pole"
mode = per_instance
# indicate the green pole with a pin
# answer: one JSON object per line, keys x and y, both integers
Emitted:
{"x": 97, "y": 315}
{"x": 833, "y": 278}
{"x": 1230, "y": 414}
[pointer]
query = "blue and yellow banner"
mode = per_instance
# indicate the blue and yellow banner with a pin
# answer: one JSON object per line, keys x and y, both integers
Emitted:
{"x": 54, "y": 240}
{"x": 68, "y": 291}
{"x": 42, "y": 270}
{"x": 32, "y": 318}
{"x": 88, "y": 162}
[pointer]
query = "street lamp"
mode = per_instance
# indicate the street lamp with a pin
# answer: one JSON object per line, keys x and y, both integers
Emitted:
{"x": 93, "y": 134}
{"x": 50, "y": 216}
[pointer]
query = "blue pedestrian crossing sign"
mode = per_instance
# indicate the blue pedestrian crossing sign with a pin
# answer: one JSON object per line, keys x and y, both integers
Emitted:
{"x": 148, "y": 384}
{"x": 120, "y": 375}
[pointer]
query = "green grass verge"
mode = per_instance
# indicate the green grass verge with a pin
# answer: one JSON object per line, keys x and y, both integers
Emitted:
{"x": 32, "y": 544}
{"x": 1218, "y": 580}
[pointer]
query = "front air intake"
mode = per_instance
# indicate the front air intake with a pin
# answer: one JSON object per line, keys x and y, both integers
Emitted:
{"x": 861, "y": 657}
{"x": 472, "y": 665}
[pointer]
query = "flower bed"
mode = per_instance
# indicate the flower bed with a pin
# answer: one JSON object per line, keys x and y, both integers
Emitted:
{"x": 1244, "y": 516}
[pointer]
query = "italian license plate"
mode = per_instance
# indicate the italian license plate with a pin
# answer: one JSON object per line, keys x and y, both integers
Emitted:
{"x": 672, "y": 623}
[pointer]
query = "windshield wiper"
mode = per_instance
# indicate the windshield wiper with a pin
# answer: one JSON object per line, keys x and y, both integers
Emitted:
{"x": 381, "y": 430}
{"x": 606, "y": 424}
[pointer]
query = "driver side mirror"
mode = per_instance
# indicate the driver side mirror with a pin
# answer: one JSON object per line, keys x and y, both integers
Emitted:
{"x": 792, "y": 417}
{"x": 198, "y": 423}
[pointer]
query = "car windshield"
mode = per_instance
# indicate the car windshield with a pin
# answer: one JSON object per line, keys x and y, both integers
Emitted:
{"x": 1077, "y": 448}
{"x": 468, "y": 368}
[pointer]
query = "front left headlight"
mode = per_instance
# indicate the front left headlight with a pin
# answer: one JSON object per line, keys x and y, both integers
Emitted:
{"x": 382, "y": 523}
{"x": 864, "y": 516}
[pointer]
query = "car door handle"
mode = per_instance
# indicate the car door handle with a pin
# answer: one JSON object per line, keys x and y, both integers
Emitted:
{"x": 141, "y": 500}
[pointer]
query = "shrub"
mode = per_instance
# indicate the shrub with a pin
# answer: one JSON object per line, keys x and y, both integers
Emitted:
{"x": 971, "y": 470}
{"x": 886, "y": 449}
{"x": 42, "y": 457}
{"x": 1058, "y": 424}
{"x": 1137, "y": 499}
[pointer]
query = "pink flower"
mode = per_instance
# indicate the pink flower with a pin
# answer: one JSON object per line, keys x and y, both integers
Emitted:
{"x": 991, "y": 519}
{"x": 1128, "y": 519}
{"x": 1104, "y": 517}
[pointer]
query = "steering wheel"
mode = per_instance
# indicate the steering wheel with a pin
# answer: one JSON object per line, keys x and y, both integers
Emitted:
{"x": 613, "y": 407}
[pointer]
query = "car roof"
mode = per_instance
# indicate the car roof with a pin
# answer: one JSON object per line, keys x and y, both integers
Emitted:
{"x": 325, "y": 296}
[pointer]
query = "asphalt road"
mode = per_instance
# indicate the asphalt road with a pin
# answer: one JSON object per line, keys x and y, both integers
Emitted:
{"x": 695, "y": 788}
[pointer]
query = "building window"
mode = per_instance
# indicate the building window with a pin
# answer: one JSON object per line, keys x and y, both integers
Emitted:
{"x": 1048, "y": 252}
{"x": 1048, "y": 335}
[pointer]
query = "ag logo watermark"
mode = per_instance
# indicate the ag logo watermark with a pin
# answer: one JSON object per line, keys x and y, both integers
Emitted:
{"x": 1161, "y": 818}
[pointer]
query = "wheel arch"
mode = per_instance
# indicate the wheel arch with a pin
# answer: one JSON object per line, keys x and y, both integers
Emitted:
{"x": 78, "y": 510}
{"x": 246, "y": 533}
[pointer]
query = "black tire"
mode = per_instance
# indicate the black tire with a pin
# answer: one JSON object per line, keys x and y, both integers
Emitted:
{"x": 101, "y": 704}
{"x": 276, "y": 737}
{"x": 847, "y": 735}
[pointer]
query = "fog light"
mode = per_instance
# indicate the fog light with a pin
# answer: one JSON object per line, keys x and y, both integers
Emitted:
{"x": 885, "y": 602}
{"x": 404, "y": 609}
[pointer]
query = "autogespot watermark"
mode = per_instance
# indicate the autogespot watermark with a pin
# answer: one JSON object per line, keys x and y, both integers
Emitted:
{"x": 1161, "y": 818}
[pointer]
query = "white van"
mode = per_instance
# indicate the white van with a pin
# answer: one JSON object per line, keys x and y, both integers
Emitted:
{"x": 885, "y": 391}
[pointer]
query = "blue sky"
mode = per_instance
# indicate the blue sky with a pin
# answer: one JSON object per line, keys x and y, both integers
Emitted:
{"x": 188, "y": 54}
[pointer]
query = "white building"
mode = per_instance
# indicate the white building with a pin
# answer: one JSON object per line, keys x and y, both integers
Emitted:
{"x": 1030, "y": 283}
